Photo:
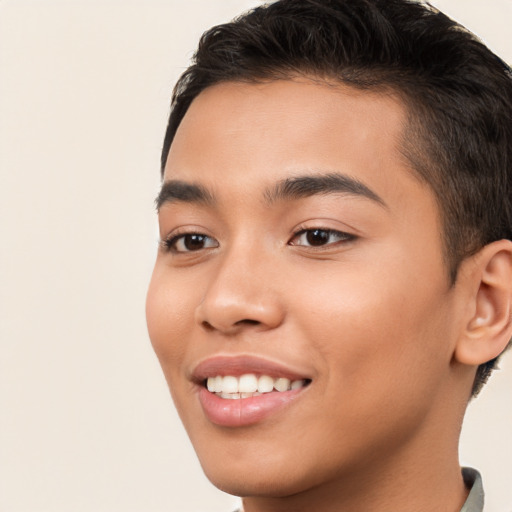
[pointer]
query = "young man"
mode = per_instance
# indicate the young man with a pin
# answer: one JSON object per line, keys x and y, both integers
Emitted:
{"x": 335, "y": 275}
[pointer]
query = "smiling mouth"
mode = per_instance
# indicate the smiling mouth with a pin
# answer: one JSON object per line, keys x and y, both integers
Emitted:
{"x": 250, "y": 385}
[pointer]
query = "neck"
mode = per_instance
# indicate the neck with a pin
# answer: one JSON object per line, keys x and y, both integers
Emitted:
{"x": 422, "y": 475}
{"x": 419, "y": 488}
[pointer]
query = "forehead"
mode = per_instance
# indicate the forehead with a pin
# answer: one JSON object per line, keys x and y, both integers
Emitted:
{"x": 240, "y": 136}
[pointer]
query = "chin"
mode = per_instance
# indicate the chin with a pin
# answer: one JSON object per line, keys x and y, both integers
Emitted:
{"x": 256, "y": 470}
{"x": 250, "y": 476}
{"x": 255, "y": 483}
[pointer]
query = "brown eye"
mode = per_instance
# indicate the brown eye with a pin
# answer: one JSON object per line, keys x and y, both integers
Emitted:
{"x": 190, "y": 242}
{"x": 317, "y": 237}
{"x": 320, "y": 237}
{"x": 194, "y": 242}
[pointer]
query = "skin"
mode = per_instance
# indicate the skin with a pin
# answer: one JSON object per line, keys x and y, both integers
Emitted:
{"x": 371, "y": 318}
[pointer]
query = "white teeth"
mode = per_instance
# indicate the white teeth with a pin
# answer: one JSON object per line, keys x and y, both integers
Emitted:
{"x": 218, "y": 383}
{"x": 210, "y": 384}
{"x": 229, "y": 384}
{"x": 230, "y": 395}
{"x": 265, "y": 384}
{"x": 296, "y": 384}
{"x": 282, "y": 384}
{"x": 249, "y": 385}
{"x": 249, "y": 395}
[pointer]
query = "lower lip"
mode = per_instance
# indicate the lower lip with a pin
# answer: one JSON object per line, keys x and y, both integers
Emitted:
{"x": 244, "y": 411}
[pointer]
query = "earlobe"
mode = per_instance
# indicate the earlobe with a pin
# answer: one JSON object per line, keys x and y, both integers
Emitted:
{"x": 489, "y": 326}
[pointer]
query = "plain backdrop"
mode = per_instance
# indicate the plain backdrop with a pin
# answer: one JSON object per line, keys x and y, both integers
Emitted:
{"x": 86, "y": 421}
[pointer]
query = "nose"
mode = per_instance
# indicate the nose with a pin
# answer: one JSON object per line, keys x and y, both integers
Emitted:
{"x": 241, "y": 294}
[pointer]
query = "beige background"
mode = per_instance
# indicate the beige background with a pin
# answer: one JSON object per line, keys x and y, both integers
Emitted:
{"x": 86, "y": 423}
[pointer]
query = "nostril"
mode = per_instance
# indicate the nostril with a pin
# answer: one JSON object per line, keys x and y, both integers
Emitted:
{"x": 207, "y": 326}
{"x": 247, "y": 322}
{"x": 231, "y": 328}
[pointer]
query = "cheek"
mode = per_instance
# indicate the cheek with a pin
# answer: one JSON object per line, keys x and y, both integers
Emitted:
{"x": 169, "y": 314}
{"x": 377, "y": 344}
{"x": 375, "y": 331}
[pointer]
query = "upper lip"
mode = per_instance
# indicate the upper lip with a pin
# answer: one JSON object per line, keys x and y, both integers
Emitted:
{"x": 243, "y": 364}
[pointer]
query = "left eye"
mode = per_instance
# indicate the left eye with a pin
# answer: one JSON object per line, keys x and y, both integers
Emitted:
{"x": 190, "y": 242}
{"x": 319, "y": 237}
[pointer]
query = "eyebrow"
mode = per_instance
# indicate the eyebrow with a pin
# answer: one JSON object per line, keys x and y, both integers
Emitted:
{"x": 182, "y": 191}
{"x": 296, "y": 187}
{"x": 309, "y": 185}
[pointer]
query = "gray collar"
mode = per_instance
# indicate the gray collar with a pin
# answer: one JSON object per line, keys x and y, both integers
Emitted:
{"x": 475, "y": 500}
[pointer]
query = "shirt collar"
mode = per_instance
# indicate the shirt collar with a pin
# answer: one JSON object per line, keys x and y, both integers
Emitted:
{"x": 475, "y": 500}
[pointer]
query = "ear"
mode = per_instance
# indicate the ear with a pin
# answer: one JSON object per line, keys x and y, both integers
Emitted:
{"x": 488, "y": 327}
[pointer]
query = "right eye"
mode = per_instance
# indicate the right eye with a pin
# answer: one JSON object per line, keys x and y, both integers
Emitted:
{"x": 318, "y": 237}
{"x": 189, "y": 242}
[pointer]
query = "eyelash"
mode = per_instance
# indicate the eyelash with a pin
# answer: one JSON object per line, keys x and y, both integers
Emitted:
{"x": 343, "y": 237}
{"x": 170, "y": 244}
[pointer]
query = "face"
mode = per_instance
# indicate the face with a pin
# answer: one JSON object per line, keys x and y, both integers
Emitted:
{"x": 300, "y": 277}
